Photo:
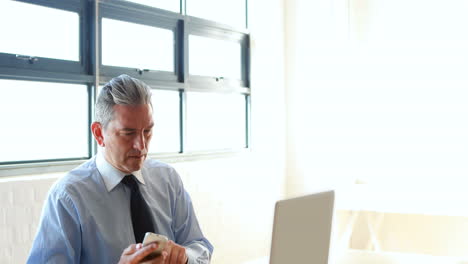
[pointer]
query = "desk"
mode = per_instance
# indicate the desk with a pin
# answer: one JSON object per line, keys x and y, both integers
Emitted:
{"x": 372, "y": 257}
{"x": 262, "y": 260}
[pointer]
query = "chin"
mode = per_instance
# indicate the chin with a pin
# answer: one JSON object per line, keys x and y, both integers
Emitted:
{"x": 136, "y": 166}
{"x": 135, "y": 163}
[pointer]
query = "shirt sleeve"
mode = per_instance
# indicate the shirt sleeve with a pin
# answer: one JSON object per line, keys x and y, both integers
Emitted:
{"x": 197, "y": 254}
{"x": 58, "y": 239}
{"x": 187, "y": 231}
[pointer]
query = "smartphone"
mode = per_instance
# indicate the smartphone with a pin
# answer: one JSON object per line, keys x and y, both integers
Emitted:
{"x": 154, "y": 238}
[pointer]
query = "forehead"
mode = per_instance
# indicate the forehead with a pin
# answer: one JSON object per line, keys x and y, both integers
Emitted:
{"x": 132, "y": 116}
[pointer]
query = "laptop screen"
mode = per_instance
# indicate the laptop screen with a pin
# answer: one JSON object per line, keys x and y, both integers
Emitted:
{"x": 302, "y": 229}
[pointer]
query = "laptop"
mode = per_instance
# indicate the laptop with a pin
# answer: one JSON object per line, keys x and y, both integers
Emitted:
{"x": 302, "y": 229}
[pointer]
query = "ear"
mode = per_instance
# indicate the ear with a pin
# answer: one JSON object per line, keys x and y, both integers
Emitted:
{"x": 97, "y": 130}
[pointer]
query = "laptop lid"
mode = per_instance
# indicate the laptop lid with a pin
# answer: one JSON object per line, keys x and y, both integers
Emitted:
{"x": 302, "y": 229}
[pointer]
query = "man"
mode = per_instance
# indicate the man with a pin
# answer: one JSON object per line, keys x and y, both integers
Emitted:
{"x": 99, "y": 212}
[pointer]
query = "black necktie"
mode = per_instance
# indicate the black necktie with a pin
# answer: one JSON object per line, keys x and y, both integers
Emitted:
{"x": 141, "y": 217}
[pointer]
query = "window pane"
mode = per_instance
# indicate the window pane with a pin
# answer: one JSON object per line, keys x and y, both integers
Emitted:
{"x": 212, "y": 57}
{"x": 170, "y": 5}
{"x": 38, "y": 31}
{"x": 215, "y": 121}
{"x": 166, "y": 135}
{"x": 137, "y": 46}
{"x": 43, "y": 120}
{"x": 231, "y": 12}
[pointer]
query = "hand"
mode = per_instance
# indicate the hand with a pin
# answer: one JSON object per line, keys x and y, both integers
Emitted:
{"x": 134, "y": 253}
{"x": 175, "y": 253}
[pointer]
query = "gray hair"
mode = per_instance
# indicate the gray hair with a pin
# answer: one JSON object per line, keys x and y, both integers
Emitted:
{"x": 123, "y": 90}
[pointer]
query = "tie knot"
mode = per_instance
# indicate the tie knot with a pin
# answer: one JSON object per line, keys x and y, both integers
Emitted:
{"x": 130, "y": 181}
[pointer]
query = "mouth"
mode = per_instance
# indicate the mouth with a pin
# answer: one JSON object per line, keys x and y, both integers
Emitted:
{"x": 138, "y": 156}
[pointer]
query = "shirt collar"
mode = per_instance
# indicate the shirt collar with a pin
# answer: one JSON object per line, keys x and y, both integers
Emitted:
{"x": 111, "y": 175}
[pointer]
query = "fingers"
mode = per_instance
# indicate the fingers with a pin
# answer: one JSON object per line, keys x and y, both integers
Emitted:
{"x": 182, "y": 258}
{"x": 172, "y": 254}
{"x": 144, "y": 251}
{"x": 178, "y": 256}
{"x": 135, "y": 253}
{"x": 130, "y": 249}
{"x": 159, "y": 260}
{"x": 176, "y": 253}
{"x": 168, "y": 249}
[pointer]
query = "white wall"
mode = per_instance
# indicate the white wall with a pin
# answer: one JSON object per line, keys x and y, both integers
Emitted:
{"x": 377, "y": 98}
{"x": 376, "y": 91}
{"x": 20, "y": 207}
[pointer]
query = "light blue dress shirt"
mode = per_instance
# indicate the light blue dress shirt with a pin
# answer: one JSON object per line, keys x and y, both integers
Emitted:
{"x": 86, "y": 217}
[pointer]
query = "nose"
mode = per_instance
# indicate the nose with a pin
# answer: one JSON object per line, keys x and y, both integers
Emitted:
{"x": 140, "y": 142}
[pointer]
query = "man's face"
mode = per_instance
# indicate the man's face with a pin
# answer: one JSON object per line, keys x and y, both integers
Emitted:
{"x": 126, "y": 138}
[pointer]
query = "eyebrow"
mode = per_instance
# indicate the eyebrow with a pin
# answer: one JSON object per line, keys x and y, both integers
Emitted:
{"x": 133, "y": 129}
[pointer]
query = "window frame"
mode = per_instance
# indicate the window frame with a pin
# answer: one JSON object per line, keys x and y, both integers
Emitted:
{"x": 143, "y": 15}
{"x": 213, "y": 30}
{"x": 89, "y": 121}
{"x": 9, "y": 60}
{"x": 89, "y": 70}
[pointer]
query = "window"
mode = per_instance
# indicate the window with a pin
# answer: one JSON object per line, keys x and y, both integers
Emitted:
{"x": 230, "y": 12}
{"x": 215, "y": 121}
{"x": 216, "y": 58}
{"x": 48, "y": 35}
{"x": 166, "y": 115}
{"x": 196, "y": 63}
{"x": 137, "y": 46}
{"x": 55, "y": 37}
{"x": 29, "y": 136}
{"x": 51, "y": 42}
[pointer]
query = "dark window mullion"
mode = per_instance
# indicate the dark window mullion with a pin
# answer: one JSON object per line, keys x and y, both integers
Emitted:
{"x": 19, "y": 162}
{"x": 112, "y": 71}
{"x": 87, "y": 52}
{"x": 245, "y": 63}
{"x": 39, "y": 63}
{"x": 92, "y": 146}
{"x": 247, "y": 121}
{"x": 182, "y": 125}
{"x": 180, "y": 49}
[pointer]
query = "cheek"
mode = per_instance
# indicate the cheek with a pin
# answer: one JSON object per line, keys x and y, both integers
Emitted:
{"x": 127, "y": 147}
{"x": 117, "y": 144}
